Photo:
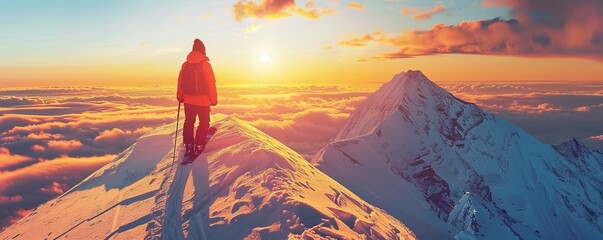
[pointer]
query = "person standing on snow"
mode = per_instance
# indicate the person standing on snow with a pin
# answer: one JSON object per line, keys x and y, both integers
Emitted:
{"x": 197, "y": 90}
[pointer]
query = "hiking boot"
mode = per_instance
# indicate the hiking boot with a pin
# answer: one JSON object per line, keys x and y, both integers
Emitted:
{"x": 189, "y": 149}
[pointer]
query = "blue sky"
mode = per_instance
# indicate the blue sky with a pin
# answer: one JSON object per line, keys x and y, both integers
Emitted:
{"x": 114, "y": 42}
{"x": 89, "y": 32}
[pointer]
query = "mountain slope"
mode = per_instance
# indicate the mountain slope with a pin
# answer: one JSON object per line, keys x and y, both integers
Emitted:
{"x": 246, "y": 185}
{"x": 415, "y": 150}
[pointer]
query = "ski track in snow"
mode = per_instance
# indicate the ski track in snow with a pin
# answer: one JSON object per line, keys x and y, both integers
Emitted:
{"x": 167, "y": 223}
{"x": 172, "y": 224}
{"x": 156, "y": 226}
{"x": 116, "y": 216}
{"x": 172, "y": 228}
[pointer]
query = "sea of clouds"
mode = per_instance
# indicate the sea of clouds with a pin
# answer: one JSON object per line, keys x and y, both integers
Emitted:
{"x": 52, "y": 138}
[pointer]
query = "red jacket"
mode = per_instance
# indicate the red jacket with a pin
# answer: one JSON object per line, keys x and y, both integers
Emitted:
{"x": 212, "y": 95}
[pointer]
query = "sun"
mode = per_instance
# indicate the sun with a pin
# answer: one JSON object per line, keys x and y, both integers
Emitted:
{"x": 266, "y": 58}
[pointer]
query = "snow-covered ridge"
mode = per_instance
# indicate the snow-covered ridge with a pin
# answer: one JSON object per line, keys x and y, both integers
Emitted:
{"x": 580, "y": 155}
{"x": 246, "y": 184}
{"x": 388, "y": 99}
{"x": 474, "y": 217}
{"x": 415, "y": 150}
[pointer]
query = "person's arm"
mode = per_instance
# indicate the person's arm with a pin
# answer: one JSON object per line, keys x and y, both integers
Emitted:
{"x": 180, "y": 92}
{"x": 211, "y": 84}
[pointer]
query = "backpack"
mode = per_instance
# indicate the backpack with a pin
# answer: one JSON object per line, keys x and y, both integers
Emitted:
{"x": 193, "y": 80}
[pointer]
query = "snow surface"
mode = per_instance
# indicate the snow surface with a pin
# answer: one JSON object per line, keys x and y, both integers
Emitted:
{"x": 447, "y": 169}
{"x": 246, "y": 185}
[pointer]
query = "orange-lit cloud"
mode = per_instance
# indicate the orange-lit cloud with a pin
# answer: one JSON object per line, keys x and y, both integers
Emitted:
{"x": 364, "y": 40}
{"x": 10, "y": 199}
{"x": 494, "y": 3}
{"x": 52, "y": 169}
{"x": 516, "y": 107}
{"x": 596, "y": 138}
{"x": 42, "y": 135}
{"x": 409, "y": 10}
{"x": 55, "y": 188}
{"x": 116, "y": 119}
{"x": 304, "y": 118}
{"x": 10, "y": 120}
{"x": 582, "y": 109}
{"x": 17, "y": 101}
{"x": 18, "y": 214}
{"x": 264, "y": 9}
{"x": 271, "y": 9}
{"x": 38, "y": 148}
{"x": 64, "y": 145}
{"x": 8, "y": 160}
{"x": 355, "y": 5}
{"x": 115, "y": 135}
{"x": 39, "y": 182}
{"x": 541, "y": 28}
{"x": 306, "y": 131}
{"x": 427, "y": 14}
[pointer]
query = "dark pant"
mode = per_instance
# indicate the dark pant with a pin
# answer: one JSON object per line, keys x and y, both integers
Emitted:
{"x": 190, "y": 114}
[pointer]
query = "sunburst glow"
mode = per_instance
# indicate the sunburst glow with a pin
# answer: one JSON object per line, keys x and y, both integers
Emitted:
{"x": 266, "y": 58}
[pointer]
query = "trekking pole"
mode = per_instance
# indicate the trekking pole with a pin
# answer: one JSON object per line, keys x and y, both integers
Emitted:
{"x": 176, "y": 138}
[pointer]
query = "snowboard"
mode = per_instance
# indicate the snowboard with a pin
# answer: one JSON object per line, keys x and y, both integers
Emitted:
{"x": 191, "y": 158}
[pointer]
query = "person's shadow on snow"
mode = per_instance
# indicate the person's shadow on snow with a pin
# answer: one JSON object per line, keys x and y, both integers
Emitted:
{"x": 198, "y": 217}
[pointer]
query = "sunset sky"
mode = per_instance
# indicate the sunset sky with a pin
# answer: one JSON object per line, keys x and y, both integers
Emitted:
{"x": 80, "y": 81}
{"x": 308, "y": 42}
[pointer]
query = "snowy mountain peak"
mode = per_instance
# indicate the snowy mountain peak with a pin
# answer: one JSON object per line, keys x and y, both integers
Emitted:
{"x": 415, "y": 150}
{"x": 412, "y": 75}
{"x": 581, "y": 156}
{"x": 405, "y": 87}
{"x": 245, "y": 185}
{"x": 573, "y": 148}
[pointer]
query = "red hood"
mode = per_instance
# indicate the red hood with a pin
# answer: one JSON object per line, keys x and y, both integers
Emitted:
{"x": 196, "y": 57}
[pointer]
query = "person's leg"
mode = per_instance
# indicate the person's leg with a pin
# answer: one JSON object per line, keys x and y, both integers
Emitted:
{"x": 203, "y": 125}
{"x": 190, "y": 116}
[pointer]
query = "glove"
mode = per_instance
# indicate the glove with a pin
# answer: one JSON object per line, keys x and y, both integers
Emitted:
{"x": 180, "y": 100}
